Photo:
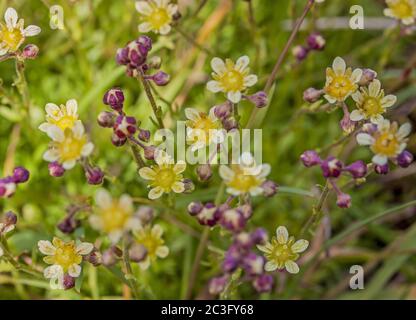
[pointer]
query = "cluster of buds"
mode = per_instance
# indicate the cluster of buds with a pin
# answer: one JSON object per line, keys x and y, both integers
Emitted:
{"x": 70, "y": 223}
{"x": 124, "y": 127}
{"x": 8, "y": 184}
{"x": 240, "y": 255}
{"x": 314, "y": 42}
{"x": 332, "y": 168}
{"x": 135, "y": 57}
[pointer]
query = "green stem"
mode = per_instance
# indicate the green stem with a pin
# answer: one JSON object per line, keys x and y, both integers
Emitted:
{"x": 129, "y": 271}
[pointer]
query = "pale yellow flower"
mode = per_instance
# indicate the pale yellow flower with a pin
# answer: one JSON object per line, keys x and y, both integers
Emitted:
{"x": 371, "y": 103}
{"x": 64, "y": 116}
{"x": 282, "y": 251}
{"x": 403, "y": 10}
{"x": 64, "y": 258}
{"x": 68, "y": 146}
{"x": 244, "y": 177}
{"x": 114, "y": 216}
{"x": 165, "y": 176}
{"x": 202, "y": 128}
{"x": 151, "y": 238}
{"x": 13, "y": 33}
{"x": 232, "y": 79}
{"x": 157, "y": 15}
{"x": 388, "y": 141}
{"x": 340, "y": 81}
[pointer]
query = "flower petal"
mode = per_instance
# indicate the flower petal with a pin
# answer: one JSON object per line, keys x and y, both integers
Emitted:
{"x": 250, "y": 80}
{"x": 144, "y": 8}
{"x": 10, "y": 16}
{"x": 162, "y": 252}
{"x": 242, "y": 63}
{"x": 374, "y": 88}
{"x": 234, "y": 96}
{"x": 51, "y": 155}
{"x": 214, "y": 86}
{"x": 404, "y": 130}
{"x": 52, "y": 271}
{"x": 87, "y": 149}
{"x": 282, "y": 235}
{"x": 103, "y": 199}
{"x": 356, "y": 75}
{"x": 365, "y": 139}
{"x": 85, "y": 248}
{"x": 157, "y": 231}
{"x": 155, "y": 193}
{"x": 55, "y": 133}
{"x": 69, "y": 164}
{"x": 356, "y": 115}
{"x": 179, "y": 167}
{"x": 165, "y": 29}
{"x": 388, "y": 101}
{"x": 52, "y": 110}
{"x": 339, "y": 66}
{"x": 300, "y": 246}
{"x": 270, "y": 266}
{"x": 72, "y": 107}
{"x": 31, "y": 31}
{"x": 147, "y": 173}
{"x": 226, "y": 173}
{"x": 291, "y": 267}
{"x": 178, "y": 187}
{"x": 74, "y": 270}
{"x": 145, "y": 27}
{"x": 46, "y": 247}
{"x": 379, "y": 159}
{"x": 192, "y": 114}
{"x": 218, "y": 66}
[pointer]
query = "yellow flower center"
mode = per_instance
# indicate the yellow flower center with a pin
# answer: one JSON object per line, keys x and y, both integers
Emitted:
{"x": 159, "y": 18}
{"x": 386, "y": 143}
{"x": 11, "y": 38}
{"x": 66, "y": 255}
{"x": 65, "y": 122}
{"x": 71, "y": 147}
{"x": 371, "y": 106}
{"x": 232, "y": 80}
{"x": 114, "y": 217}
{"x": 243, "y": 182}
{"x": 151, "y": 242}
{"x": 165, "y": 178}
{"x": 402, "y": 9}
{"x": 205, "y": 124}
{"x": 340, "y": 87}
{"x": 281, "y": 253}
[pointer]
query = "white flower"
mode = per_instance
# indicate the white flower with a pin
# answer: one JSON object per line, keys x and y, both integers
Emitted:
{"x": 13, "y": 34}
{"x": 63, "y": 117}
{"x": 387, "y": 142}
{"x": 282, "y": 251}
{"x": 157, "y": 15}
{"x": 64, "y": 258}
{"x": 113, "y": 216}
{"x": 404, "y": 10}
{"x": 371, "y": 103}
{"x": 341, "y": 81}
{"x": 68, "y": 146}
{"x": 233, "y": 79}
{"x": 244, "y": 177}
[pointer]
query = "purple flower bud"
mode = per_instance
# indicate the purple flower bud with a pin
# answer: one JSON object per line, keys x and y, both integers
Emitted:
{"x": 310, "y": 158}
{"x": 145, "y": 214}
{"x": 160, "y": 78}
{"x": 300, "y": 52}
{"x": 138, "y": 252}
{"x": 106, "y": 119}
{"x": 145, "y": 44}
{"x": 259, "y": 99}
{"x": 118, "y": 141}
{"x": 208, "y": 216}
{"x": 269, "y": 188}
{"x": 316, "y": 41}
{"x": 229, "y": 123}
{"x": 346, "y": 124}
{"x": 312, "y": 95}
{"x": 114, "y": 98}
{"x": 68, "y": 282}
{"x": 246, "y": 210}
{"x": 149, "y": 152}
{"x": 56, "y": 169}
{"x": 217, "y": 284}
{"x": 263, "y": 283}
{"x": 111, "y": 255}
{"x": 69, "y": 224}
{"x": 343, "y": 200}
{"x": 144, "y": 135}
{"x": 223, "y": 110}
{"x": 94, "y": 176}
{"x": 231, "y": 260}
{"x": 253, "y": 264}
{"x": 95, "y": 258}
{"x": 367, "y": 77}
{"x": 259, "y": 236}
{"x": 369, "y": 128}
{"x": 20, "y": 175}
{"x": 243, "y": 240}
{"x": 384, "y": 169}
{"x": 125, "y": 126}
{"x": 30, "y": 51}
{"x": 404, "y": 159}
{"x": 233, "y": 220}
{"x": 10, "y": 219}
{"x": 7, "y": 188}
{"x": 189, "y": 186}
{"x": 331, "y": 167}
{"x": 195, "y": 207}
{"x": 357, "y": 169}
{"x": 204, "y": 172}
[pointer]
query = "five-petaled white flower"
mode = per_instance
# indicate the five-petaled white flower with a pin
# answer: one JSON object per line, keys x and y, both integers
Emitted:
{"x": 403, "y": 10}
{"x": 13, "y": 34}
{"x": 157, "y": 15}
{"x": 114, "y": 216}
{"x": 232, "y": 79}
{"x": 387, "y": 142}
{"x": 68, "y": 146}
{"x": 245, "y": 177}
{"x": 341, "y": 81}
{"x": 64, "y": 258}
{"x": 63, "y": 117}
{"x": 282, "y": 251}
{"x": 371, "y": 103}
